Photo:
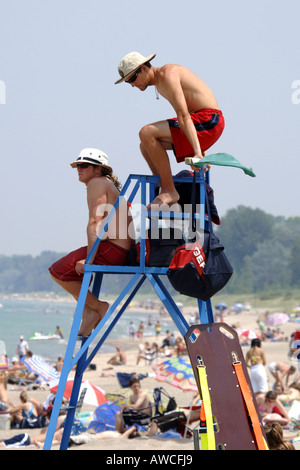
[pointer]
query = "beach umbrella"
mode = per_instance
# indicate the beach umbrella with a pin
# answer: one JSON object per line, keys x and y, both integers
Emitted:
{"x": 221, "y": 306}
{"x": 177, "y": 372}
{"x": 121, "y": 398}
{"x": 249, "y": 334}
{"x": 239, "y": 306}
{"x": 3, "y": 361}
{"x": 104, "y": 417}
{"x": 40, "y": 367}
{"x": 277, "y": 319}
{"x": 94, "y": 395}
{"x": 3, "y": 356}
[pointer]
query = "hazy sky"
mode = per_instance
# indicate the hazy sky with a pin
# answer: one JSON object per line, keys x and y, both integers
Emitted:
{"x": 58, "y": 65}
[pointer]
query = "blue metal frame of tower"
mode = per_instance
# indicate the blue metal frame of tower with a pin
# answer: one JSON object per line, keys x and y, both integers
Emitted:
{"x": 139, "y": 275}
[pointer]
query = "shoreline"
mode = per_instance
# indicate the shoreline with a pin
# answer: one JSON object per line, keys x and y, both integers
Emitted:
{"x": 40, "y": 297}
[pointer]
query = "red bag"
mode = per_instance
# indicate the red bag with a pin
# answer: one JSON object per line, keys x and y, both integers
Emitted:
{"x": 198, "y": 271}
{"x": 190, "y": 252}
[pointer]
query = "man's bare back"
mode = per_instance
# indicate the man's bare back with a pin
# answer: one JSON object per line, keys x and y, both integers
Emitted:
{"x": 101, "y": 197}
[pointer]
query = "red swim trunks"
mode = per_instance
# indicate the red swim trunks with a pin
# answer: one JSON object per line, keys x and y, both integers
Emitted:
{"x": 209, "y": 125}
{"x": 108, "y": 254}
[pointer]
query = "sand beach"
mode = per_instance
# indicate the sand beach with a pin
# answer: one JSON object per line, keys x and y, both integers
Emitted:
{"x": 104, "y": 376}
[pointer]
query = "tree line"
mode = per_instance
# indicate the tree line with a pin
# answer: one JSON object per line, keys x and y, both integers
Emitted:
{"x": 28, "y": 274}
{"x": 263, "y": 249}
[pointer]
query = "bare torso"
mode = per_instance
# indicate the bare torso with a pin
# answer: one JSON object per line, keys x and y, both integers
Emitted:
{"x": 141, "y": 398}
{"x": 101, "y": 197}
{"x": 197, "y": 94}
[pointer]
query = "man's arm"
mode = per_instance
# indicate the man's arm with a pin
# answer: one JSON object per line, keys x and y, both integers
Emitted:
{"x": 174, "y": 94}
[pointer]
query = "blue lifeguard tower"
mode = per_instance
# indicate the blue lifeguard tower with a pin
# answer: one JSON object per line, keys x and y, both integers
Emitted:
{"x": 142, "y": 187}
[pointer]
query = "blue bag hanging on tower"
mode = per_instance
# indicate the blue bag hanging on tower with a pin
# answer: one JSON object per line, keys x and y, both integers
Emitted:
{"x": 200, "y": 267}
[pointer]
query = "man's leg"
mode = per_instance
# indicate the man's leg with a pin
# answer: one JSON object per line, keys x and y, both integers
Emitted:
{"x": 91, "y": 318}
{"x": 153, "y": 429}
{"x": 94, "y": 309}
{"x": 155, "y": 140}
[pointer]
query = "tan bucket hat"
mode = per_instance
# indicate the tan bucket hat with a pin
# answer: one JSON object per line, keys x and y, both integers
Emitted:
{"x": 131, "y": 63}
{"x": 93, "y": 156}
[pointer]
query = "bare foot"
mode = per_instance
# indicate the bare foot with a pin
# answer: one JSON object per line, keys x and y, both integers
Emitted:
{"x": 164, "y": 198}
{"x": 91, "y": 319}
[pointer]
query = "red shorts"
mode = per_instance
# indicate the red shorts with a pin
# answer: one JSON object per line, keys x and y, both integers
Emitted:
{"x": 209, "y": 125}
{"x": 108, "y": 254}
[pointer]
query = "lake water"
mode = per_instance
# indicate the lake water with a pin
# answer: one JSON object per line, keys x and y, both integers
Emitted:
{"x": 25, "y": 317}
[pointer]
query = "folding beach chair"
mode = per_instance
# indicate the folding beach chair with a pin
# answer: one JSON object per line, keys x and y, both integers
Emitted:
{"x": 41, "y": 368}
{"x": 169, "y": 416}
{"x": 78, "y": 405}
{"x": 163, "y": 401}
{"x": 142, "y": 417}
{"x": 137, "y": 417}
